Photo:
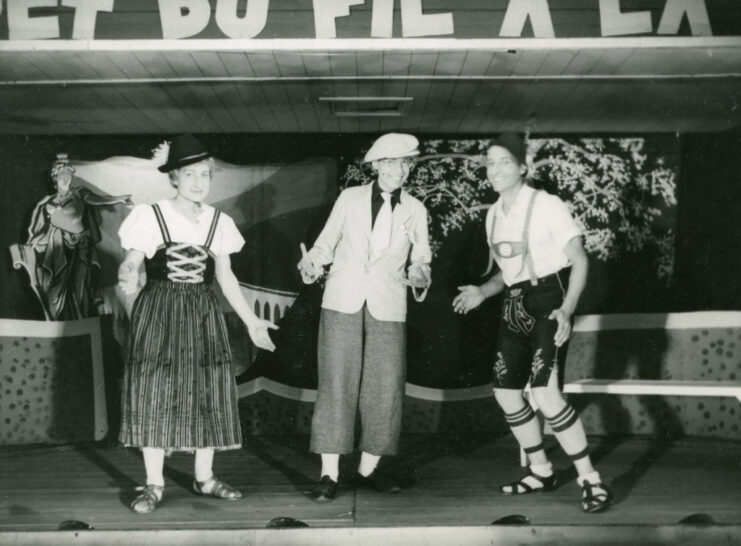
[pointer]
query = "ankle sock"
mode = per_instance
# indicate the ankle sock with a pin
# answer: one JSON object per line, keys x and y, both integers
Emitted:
{"x": 545, "y": 470}
{"x": 331, "y": 466}
{"x": 368, "y": 464}
{"x": 592, "y": 477}
{"x": 158, "y": 492}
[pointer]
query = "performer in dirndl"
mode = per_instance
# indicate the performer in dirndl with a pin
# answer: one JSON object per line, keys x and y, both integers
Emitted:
{"x": 543, "y": 270}
{"x": 179, "y": 392}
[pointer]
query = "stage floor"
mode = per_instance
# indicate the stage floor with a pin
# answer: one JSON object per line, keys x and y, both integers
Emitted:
{"x": 456, "y": 486}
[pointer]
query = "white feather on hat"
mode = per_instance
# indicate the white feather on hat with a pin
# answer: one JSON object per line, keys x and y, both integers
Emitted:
{"x": 160, "y": 153}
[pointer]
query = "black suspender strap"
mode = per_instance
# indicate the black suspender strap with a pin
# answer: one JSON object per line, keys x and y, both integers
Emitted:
{"x": 491, "y": 245}
{"x": 527, "y": 258}
{"x": 493, "y": 223}
{"x": 212, "y": 229}
{"x": 161, "y": 222}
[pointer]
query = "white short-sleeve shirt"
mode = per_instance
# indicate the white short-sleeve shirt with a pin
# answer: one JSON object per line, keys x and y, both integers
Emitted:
{"x": 551, "y": 229}
{"x": 140, "y": 230}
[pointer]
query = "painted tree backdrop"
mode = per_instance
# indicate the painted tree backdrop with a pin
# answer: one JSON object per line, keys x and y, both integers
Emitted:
{"x": 620, "y": 190}
{"x": 622, "y": 197}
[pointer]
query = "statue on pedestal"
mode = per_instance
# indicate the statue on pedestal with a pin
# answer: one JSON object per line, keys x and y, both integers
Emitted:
{"x": 60, "y": 255}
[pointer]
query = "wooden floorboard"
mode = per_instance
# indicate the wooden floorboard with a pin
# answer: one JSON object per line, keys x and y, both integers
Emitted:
{"x": 654, "y": 484}
{"x": 452, "y": 481}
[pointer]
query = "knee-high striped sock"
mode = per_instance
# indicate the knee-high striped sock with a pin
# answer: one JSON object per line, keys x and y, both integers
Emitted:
{"x": 526, "y": 429}
{"x": 569, "y": 431}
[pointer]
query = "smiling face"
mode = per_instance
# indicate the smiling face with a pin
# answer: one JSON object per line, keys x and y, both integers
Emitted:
{"x": 502, "y": 170}
{"x": 393, "y": 172}
{"x": 193, "y": 182}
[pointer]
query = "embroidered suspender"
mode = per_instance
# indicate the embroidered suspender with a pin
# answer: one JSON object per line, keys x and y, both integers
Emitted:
{"x": 527, "y": 258}
{"x": 161, "y": 222}
{"x": 212, "y": 229}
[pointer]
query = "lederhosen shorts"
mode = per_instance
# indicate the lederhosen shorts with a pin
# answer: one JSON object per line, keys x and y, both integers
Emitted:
{"x": 525, "y": 347}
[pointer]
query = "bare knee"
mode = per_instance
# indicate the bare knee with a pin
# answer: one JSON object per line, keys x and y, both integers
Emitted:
{"x": 549, "y": 401}
{"x": 510, "y": 400}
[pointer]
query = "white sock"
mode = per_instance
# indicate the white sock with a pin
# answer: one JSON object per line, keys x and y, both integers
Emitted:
{"x": 154, "y": 460}
{"x": 545, "y": 470}
{"x": 368, "y": 463}
{"x": 331, "y": 465}
{"x": 204, "y": 464}
{"x": 592, "y": 477}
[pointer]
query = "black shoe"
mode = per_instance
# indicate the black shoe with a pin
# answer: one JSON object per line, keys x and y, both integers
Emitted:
{"x": 325, "y": 490}
{"x": 378, "y": 482}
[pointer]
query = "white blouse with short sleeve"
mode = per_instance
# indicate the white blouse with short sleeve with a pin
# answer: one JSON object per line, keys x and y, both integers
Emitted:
{"x": 551, "y": 229}
{"x": 140, "y": 230}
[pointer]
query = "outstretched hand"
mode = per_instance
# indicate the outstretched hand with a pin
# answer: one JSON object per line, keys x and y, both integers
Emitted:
{"x": 469, "y": 298}
{"x": 259, "y": 334}
{"x": 563, "y": 331}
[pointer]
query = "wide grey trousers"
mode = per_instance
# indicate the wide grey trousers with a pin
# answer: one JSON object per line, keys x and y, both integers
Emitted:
{"x": 362, "y": 366}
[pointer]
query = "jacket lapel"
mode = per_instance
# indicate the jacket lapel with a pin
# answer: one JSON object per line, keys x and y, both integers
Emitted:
{"x": 365, "y": 220}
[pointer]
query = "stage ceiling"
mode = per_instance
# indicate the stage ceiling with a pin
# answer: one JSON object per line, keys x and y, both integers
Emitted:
{"x": 423, "y": 86}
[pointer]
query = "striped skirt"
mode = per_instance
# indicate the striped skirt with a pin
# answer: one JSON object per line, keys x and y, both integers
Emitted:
{"x": 178, "y": 389}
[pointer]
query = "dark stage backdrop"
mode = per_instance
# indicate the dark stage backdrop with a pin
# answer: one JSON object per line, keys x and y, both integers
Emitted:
{"x": 708, "y": 260}
{"x": 649, "y": 253}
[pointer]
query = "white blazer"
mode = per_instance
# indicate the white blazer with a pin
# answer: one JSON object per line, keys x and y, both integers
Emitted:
{"x": 357, "y": 276}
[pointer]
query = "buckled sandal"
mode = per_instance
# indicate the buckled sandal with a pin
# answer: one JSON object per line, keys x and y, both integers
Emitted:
{"x": 595, "y": 497}
{"x": 521, "y": 487}
{"x": 217, "y": 489}
{"x": 148, "y": 500}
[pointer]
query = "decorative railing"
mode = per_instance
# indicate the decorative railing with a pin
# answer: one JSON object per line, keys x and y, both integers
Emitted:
{"x": 268, "y": 303}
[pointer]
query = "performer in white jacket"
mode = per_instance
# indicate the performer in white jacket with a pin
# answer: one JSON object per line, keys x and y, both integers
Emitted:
{"x": 371, "y": 233}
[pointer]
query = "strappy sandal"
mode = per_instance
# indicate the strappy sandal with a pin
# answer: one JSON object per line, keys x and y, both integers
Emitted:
{"x": 595, "y": 497}
{"x": 148, "y": 500}
{"x": 521, "y": 487}
{"x": 217, "y": 489}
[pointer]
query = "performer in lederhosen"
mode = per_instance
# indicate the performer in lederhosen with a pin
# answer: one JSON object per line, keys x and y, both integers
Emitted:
{"x": 179, "y": 392}
{"x": 543, "y": 270}
{"x": 372, "y": 233}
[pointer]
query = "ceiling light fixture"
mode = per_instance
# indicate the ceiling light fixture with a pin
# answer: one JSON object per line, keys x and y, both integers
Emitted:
{"x": 366, "y": 106}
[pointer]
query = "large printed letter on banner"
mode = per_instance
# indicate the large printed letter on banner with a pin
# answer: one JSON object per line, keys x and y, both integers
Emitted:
{"x": 23, "y": 27}
{"x": 616, "y": 23}
{"x": 697, "y": 16}
{"x": 248, "y": 26}
{"x": 382, "y": 19}
{"x": 183, "y": 18}
{"x": 86, "y": 11}
{"x": 517, "y": 13}
{"x": 415, "y": 23}
{"x": 326, "y": 11}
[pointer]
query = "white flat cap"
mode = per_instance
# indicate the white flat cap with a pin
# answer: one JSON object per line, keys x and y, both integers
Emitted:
{"x": 392, "y": 145}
